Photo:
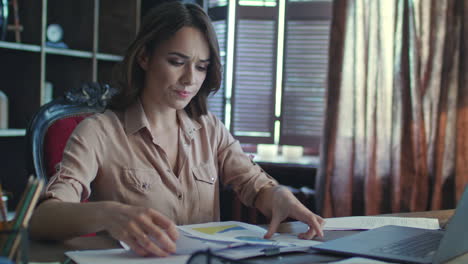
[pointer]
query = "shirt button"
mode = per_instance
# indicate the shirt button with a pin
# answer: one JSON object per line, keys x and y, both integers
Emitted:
{"x": 168, "y": 170}
{"x": 212, "y": 179}
{"x": 179, "y": 196}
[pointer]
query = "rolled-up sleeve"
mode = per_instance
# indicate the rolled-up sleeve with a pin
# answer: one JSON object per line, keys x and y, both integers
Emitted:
{"x": 245, "y": 176}
{"x": 78, "y": 168}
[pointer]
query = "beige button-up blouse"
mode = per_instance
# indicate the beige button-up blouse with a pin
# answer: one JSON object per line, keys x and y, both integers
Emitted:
{"x": 114, "y": 156}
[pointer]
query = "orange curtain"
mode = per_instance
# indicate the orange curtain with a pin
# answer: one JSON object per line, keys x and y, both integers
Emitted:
{"x": 396, "y": 131}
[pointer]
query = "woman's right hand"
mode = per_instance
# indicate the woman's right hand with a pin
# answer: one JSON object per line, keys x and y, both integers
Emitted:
{"x": 144, "y": 230}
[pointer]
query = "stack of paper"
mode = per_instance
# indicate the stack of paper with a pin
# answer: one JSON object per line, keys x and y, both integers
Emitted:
{"x": 246, "y": 240}
{"x": 235, "y": 240}
{"x": 370, "y": 222}
{"x": 238, "y": 232}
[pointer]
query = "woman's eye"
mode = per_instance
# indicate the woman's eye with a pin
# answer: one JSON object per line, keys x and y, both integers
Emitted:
{"x": 202, "y": 68}
{"x": 176, "y": 63}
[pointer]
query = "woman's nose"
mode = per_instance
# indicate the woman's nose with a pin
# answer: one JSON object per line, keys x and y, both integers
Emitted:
{"x": 187, "y": 77}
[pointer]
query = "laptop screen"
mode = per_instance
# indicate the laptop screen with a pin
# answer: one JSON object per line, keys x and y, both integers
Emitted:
{"x": 455, "y": 240}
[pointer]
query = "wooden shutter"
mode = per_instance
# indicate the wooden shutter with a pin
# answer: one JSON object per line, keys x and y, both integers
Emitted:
{"x": 305, "y": 72}
{"x": 216, "y": 102}
{"x": 254, "y": 85}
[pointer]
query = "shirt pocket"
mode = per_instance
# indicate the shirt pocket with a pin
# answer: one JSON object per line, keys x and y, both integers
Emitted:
{"x": 141, "y": 180}
{"x": 206, "y": 177}
{"x": 205, "y": 173}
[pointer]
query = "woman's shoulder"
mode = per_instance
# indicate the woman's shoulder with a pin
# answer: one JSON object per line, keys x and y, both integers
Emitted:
{"x": 99, "y": 123}
{"x": 210, "y": 119}
{"x": 213, "y": 125}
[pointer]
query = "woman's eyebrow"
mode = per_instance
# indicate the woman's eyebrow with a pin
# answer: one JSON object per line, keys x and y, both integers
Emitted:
{"x": 185, "y": 56}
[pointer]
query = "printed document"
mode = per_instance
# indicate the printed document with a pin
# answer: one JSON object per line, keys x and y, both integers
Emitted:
{"x": 239, "y": 232}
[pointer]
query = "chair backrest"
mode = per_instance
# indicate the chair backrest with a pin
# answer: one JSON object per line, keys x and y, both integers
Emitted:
{"x": 51, "y": 126}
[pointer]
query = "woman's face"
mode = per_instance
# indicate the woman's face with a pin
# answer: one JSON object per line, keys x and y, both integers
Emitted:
{"x": 176, "y": 69}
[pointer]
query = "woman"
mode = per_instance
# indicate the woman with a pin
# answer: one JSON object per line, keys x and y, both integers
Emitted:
{"x": 156, "y": 157}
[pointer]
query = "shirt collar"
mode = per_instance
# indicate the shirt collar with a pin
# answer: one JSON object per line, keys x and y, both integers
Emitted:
{"x": 135, "y": 119}
{"x": 188, "y": 125}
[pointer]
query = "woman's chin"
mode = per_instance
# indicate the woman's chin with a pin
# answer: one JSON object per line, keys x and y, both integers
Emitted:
{"x": 180, "y": 105}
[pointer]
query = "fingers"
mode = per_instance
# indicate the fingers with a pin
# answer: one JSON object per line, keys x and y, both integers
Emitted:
{"x": 145, "y": 231}
{"x": 156, "y": 244}
{"x": 165, "y": 223}
{"x": 301, "y": 213}
{"x": 275, "y": 222}
{"x": 136, "y": 247}
{"x": 315, "y": 224}
{"x": 144, "y": 246}
{"x": 156, "y": 233}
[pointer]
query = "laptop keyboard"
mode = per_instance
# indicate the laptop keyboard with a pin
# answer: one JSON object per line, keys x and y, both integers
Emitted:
{"x": 418, "y": 246}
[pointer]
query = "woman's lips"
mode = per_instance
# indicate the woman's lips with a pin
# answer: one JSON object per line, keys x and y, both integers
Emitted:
{"x": 183, "y": 94}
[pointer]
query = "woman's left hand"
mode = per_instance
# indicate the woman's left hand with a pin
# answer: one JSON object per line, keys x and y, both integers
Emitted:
{"x": 280, "y": 203}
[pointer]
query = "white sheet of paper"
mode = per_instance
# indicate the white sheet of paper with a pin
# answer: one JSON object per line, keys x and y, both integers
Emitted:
{"x": 121, "y": 256}
{"x": 186, "y": 245}
{"x": 233, "y": 231}
{"x": 370, "y": 222}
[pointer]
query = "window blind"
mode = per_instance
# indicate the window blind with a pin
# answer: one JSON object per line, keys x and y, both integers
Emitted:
{"x": 216, "y": 3}
{"x": 254, "y": 89}
{"x": 216, "y": 102}
{"x": 303, "y": 87}
{"x": 304, "y": 82}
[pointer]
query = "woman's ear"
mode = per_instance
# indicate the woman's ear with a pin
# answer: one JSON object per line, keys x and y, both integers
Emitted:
{"x": 143, "y": 59}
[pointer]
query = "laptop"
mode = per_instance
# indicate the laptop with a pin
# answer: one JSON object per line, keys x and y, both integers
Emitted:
{"x": 407, "y": 244}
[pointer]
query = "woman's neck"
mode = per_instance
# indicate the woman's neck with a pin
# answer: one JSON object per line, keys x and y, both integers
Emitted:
{"x": 160, "y": 118}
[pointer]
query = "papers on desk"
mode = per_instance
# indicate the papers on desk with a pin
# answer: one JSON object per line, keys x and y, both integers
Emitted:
{"x": 246, "y": 240}
{"x": 188, "y": 245}
{"x": 235, "y": 240}
{"x": 236, "y": 237}
{"x": 238, "y": 232}
{"x": 370, "y": 222}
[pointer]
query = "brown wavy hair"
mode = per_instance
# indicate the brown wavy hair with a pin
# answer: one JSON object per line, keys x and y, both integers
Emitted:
{"x": 160, "y": 24}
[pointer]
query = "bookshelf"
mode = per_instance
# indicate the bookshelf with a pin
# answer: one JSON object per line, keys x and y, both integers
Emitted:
{"x": 96, "y": 33}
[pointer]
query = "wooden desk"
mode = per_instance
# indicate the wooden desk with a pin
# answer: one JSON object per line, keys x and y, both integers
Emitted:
{"x": 54, "y": 251}
{"x": 40, "y": 251}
